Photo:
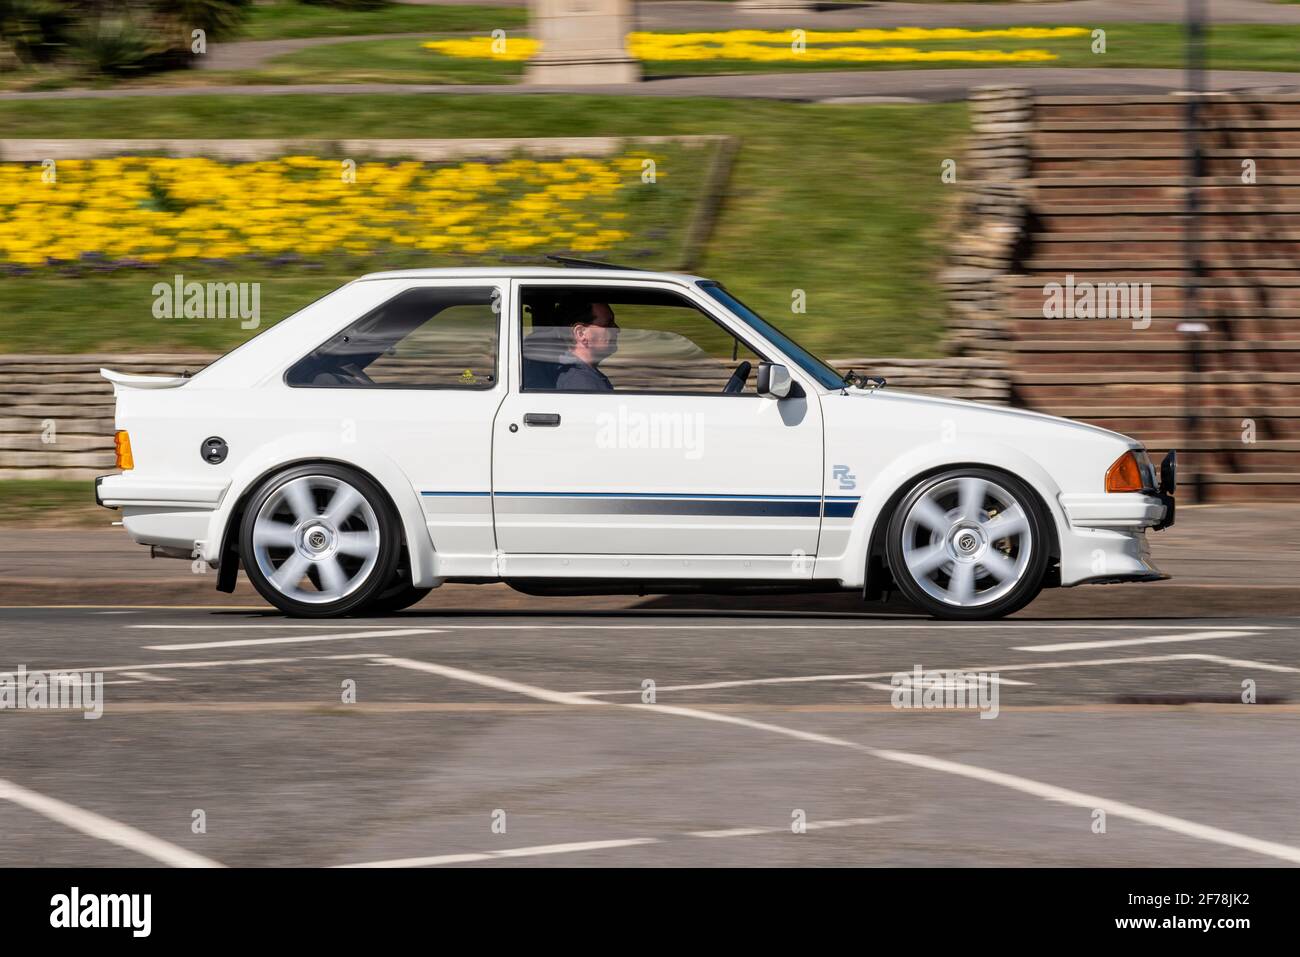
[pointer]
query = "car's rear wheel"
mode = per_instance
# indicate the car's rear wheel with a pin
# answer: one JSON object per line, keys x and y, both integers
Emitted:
{"x": 395, "y": 598}
{"x": 969, "y": 544}
{"x": 319, "y": 541}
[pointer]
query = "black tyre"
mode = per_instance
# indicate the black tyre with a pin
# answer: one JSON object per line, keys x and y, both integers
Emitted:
{"x": 395, "y": 598}
{"x": 969, "y": 544}
{"x": 319, "y": 541}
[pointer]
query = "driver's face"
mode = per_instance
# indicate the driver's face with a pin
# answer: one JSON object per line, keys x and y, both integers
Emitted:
{"x": 600, "y": 335}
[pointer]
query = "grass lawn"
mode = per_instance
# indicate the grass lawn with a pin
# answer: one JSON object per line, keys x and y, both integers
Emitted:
{"x": 843, "y": 202}
{"x": 51, "y": 503}
{"x": 366, "y": 61}
{"x": 1232, "y": 47}
{"x": 288, "y": 19}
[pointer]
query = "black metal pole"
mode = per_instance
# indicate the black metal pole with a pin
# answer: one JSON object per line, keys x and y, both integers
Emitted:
{"x": 1194, "y": 268}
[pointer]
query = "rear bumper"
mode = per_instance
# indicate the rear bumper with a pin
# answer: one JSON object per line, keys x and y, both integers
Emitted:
{"x": 123, "y": 489}
{"x": 170, "y": 514}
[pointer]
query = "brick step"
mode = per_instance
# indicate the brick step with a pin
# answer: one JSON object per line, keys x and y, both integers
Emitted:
{"x": 1223, "y": 318}
{"x": 1156, "y": 364}
{"x": 1104, "y": 122}
{"x": 1168, "y": 138}
{"x": 1243, "y": 460}
{"x": 1252, "y": 334}
{"x": 1223, "y": 492}
{"x": 64, "y": 442}
{"x": 1103, "y": 247}
{"x": 94, "y": 411}
{"x": 12, "y": 459}
{"x": 79, "y": 474}
{"x": 1058, "y": 393}
{"x": 1122, "y": 166}
{"x": 1117, "y": 341}
{"x": 1172, "y": 109}
{"x": 1106, "y": 194}
{"x": 1163, "y": 223}
{"x": 1165, "y": 299}
{"x": 1216, "y": 432}
{"x": 1055, "y": 266}
{"x": 80, "y": 425}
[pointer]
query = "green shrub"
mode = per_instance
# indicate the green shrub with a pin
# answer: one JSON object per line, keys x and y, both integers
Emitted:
{"x": 348, "y": 4}
{"x": 35, "y": 29}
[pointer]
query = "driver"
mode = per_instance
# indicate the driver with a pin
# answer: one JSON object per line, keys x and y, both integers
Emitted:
{"x": 594, "y": 335}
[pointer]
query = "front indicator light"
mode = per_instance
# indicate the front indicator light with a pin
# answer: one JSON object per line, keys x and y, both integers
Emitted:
{"x": 122, "y": 449}
{"x": 1125, "y": 475}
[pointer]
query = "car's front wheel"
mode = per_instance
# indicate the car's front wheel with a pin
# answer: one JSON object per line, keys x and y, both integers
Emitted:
{"x": 319, "y": 541}
{"x": 969, "y": 544}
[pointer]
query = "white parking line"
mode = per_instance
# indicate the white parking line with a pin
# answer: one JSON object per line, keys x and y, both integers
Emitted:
{"x": 297, "y": 639}
{"x": 542, "y": 850}
{"x": 659, "y": 625}
{"x": 985, "y": 669}
{"x": 166, "y": 665}
{"x": 1149, "y": 640}
{"x": 103, "y": 828}
{"x": 1013, "y": 782}
{"x": 488, "y": 681}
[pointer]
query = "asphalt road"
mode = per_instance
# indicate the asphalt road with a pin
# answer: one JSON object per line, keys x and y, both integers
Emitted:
{"x": 535, "y": 723}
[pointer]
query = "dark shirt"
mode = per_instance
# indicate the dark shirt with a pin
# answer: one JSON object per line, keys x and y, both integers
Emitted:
{"x": 577, "y": 376}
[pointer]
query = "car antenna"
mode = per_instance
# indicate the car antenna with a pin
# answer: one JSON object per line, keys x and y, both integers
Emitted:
{"x": 573, "y": 263}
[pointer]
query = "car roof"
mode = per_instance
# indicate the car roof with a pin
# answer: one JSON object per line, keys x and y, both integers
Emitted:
{"x": 534, "y": 272}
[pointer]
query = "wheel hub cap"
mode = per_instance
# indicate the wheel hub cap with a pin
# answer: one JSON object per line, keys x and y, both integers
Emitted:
{"x": 967, "y": 541}
{"x": 316, "y": 539}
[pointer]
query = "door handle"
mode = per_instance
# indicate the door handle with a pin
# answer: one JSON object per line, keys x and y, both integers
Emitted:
{"x": 549, "y": 419}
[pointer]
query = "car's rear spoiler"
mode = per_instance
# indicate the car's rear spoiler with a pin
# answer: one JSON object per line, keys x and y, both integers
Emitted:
{"x": 124, "y": 380}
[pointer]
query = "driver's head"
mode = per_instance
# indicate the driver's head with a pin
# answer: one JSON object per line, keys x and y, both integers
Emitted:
{"x": 593, "y": 328}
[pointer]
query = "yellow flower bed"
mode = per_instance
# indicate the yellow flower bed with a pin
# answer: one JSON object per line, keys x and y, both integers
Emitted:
{"x": 486, "y": 48}
{"x": 787, "y": 45}
{"x": 153, "y": 209}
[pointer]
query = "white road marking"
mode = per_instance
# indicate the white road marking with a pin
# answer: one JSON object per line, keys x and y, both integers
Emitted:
{"x": 810, "y": 825}
{"x": 146, "y": 676}
{"x": 102, "y": 828}
{"x": 165, "y": 665}
{"x": 541, "y": 850}
{"x": 1149, "y": 640}
{"x": 488, "y": 681}
{"x": 659, "y": 625}
{"x": 1013, "y": 782}
{"x": 1030, "y": 666}
{"x": 297, "y": 639}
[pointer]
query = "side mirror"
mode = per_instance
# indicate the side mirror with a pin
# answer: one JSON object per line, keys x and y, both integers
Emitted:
{"x": 773, "y": 380}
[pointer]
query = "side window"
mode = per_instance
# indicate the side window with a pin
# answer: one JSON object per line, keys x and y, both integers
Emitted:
{"x": 436, "y": 337}
{"x": 628, "y": 339}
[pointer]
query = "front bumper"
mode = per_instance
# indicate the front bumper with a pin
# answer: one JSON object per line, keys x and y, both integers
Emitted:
{"x": 1152, "y": 508}
{"x": 1106, "y": 541}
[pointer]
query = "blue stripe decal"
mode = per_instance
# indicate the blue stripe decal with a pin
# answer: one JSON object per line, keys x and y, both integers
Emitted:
{"x": 834, "y": 506}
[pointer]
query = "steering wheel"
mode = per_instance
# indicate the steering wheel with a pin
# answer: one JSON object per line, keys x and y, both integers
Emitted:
{"x": 738, "y": 378}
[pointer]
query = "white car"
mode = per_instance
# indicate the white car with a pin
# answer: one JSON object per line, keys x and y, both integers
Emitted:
{"x": 593, "y": 430}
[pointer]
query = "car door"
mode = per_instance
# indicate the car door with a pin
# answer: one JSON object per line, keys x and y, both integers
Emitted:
{"x": 666, "y": 464}
{"x": 418, "y": 377}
